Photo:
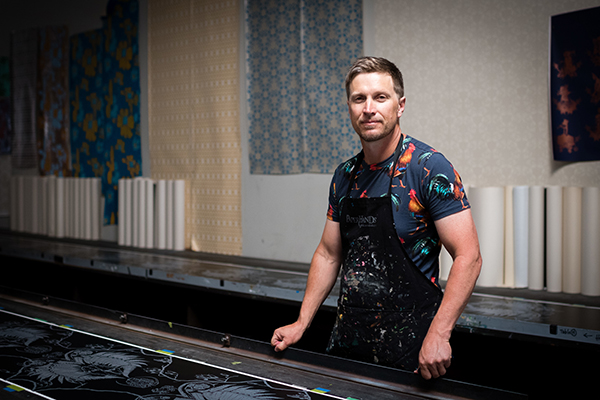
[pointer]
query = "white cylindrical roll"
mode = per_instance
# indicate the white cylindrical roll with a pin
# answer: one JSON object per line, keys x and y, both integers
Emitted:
{"x": 88, "y": 208}
{"x": 509, "y": 238}
{"x": 51, "y": 206}
{"x": 141, "y": 211}
{"x": 149, "y": 213}
{"x": 128, "y": 217}
{"x": 554, "y": 238}
{"x": 445, "y": 264}
{"x": 82, "y": 207}
{"x": 487, "y": 207}
{"x": 27, "y": 204}
{"x": 521, "y": 235}
{"x": 121, "y": 212}
{"x": 161, "y": 214}
{"x": 67, "y": 205}
{"x": 535, "y": 252}
{"x": 179, "y": 215}
{"x": 572, "y": 199}
{"x": 590, "y": 241}
{"x": 169, "y": 212}
{"x": 43, "y": 205}
{"x": 60, "y": 207}
{"x": 96, "y": 193}
{"x": 135, "y": 223}
{"x": 35, "y": 199}
{"x": 76, "y": 218}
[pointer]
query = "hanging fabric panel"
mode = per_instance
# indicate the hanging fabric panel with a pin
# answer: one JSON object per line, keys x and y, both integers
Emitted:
{"x": 575, "y": 85}
{"x": 297, "y": 54}
{"x": 24, "y": 89}
{"x": 5, "y": 106}
{"x": 53, "y": 101}
{"x": 193, "y": 50}
{"x": 105, "y": 116}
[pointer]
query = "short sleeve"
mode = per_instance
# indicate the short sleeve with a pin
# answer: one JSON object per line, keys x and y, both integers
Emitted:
{"x": 443, "y": 188}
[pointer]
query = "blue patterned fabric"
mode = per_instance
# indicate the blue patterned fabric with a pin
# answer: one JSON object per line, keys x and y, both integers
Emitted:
{"x": 575, "y": 85}
{"x": 298, "y": 53}
{"x": 105, "y": 112}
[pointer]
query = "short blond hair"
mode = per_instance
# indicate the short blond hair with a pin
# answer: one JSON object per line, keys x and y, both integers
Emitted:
{"x": 366, "y": 65}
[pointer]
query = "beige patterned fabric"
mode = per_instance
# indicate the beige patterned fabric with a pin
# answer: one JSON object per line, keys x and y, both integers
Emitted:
{"x": 194, "y": 114}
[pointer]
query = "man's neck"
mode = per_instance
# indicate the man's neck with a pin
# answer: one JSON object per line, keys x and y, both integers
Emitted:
{"x": 376, "y": 152}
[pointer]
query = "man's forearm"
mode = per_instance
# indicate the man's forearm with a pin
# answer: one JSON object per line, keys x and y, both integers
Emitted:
{"x": 321, "y": 279}
{"x": 459, "y": 287}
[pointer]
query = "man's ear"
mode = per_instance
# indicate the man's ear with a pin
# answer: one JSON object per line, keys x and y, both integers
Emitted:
{"x": 401, "y": 105}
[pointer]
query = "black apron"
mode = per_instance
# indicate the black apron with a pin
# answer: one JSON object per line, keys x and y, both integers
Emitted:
{"x": 386, "y": 303}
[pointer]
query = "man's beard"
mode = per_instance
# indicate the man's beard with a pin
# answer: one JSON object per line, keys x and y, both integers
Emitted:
{"x": 375, "y": 137}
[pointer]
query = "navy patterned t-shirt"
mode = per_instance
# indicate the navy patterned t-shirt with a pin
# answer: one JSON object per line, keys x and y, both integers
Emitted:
{"x": 425, "y": 188}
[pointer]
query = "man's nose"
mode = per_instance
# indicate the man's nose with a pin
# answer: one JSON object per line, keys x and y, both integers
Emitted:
{"x": 369, "y": 107}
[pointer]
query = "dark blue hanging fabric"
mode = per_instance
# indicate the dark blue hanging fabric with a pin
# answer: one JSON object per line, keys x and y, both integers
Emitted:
{"x": 575, "y": 85}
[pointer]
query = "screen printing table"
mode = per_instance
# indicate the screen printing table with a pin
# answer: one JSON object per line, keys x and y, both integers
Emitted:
{"x": 559, "y": 320}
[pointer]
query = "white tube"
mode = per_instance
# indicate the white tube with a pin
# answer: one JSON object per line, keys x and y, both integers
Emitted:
{"x": 149, "y": 213}
{"x": 487, "y": 208}
{"x": 169, "y": 213}
{"x": 572, "y": 202}
{"x": 521, "y": 236}
{"x": 121, "y": 212}
{"x": 161, "y": 214}
{"x": 554, "y": 238}
{"x": 60, "y": 207}
{"x": 590, "y": 242}
{"x": 535, "y": 252}
{"x": 179, "y": 215}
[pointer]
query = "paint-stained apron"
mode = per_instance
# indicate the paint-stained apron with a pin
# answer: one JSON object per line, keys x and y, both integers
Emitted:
{"x": 386, "y": 303}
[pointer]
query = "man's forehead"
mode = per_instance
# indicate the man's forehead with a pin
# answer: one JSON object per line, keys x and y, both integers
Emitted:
{"x": 366, "y": 79}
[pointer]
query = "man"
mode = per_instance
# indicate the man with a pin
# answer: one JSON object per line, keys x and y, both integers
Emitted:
{"x": 390, "y": 207}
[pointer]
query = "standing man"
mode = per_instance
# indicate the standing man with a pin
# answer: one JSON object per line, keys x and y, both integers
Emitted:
{"x": 390, "y": 209}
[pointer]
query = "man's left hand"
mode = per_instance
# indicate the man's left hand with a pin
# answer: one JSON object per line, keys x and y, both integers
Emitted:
{"x": 435, "y": 356}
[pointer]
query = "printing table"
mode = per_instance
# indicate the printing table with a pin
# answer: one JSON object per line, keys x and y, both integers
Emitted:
{"x": 559, "y": 321}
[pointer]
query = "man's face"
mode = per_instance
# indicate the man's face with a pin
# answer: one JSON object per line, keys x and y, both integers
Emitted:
{"x": 374, "y": 106}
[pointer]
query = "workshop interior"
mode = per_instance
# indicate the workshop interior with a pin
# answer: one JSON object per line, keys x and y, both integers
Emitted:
{"x": 165, "y": 168}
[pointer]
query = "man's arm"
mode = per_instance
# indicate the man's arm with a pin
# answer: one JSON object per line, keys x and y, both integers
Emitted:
{"x": 324, "y": 269}
{"x": 458, "y": 234}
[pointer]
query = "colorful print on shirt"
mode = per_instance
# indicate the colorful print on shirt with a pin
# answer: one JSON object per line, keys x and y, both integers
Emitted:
{"x": 425, "y": 188}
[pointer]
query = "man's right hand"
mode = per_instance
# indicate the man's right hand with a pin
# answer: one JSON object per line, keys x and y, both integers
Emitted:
{"x": 286, "y": 336}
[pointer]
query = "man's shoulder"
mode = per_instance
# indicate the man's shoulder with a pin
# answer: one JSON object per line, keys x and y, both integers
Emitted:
{"x": 345, "y": 168}
{"x": 424, "y": 154}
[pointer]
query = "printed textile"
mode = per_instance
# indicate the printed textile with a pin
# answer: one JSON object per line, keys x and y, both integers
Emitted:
{"x": 53, "y": 102}
{"x": 24, "y": 46}
{"x": 193, "y": 58}
{"x": 5, "y": 108}
{"x": 575, "y": 85}
{"x": 104, "y": 91}
{"x": 298, "y": 53}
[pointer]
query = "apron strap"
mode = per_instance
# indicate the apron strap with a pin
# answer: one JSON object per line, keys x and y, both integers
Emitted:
{"x": 360, "y": 157}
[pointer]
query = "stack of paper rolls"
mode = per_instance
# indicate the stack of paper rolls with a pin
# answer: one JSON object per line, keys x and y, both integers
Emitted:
{"x": 537, "y": 237}
{"x": 152, "y": 214}
{"x": 56, "y": 206}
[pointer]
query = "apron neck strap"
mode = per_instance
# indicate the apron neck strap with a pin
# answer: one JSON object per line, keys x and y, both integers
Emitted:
{"x": 360, "y": 157}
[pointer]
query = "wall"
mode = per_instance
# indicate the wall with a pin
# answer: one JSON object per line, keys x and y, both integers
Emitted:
{"x": 476, "y": 75}
{"x": 476, "y": 79}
